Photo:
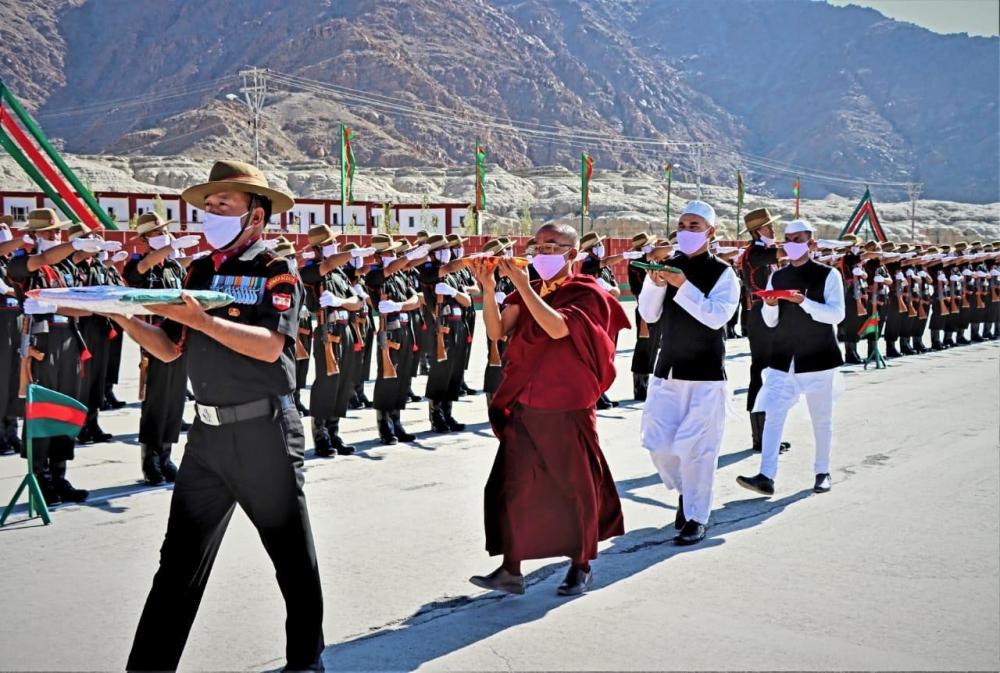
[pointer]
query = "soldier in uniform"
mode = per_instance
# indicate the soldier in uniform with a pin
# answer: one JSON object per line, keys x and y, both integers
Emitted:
{"x": 303, "y": 348}
{"x": 993, "y": 314}
{"x": 941, "y": 300}
{"x": 114, "y": 277}
{"x": 497, "y": 247}
{"x": 247, "y": 444}
{"x": 467, "y": 284}
{"x": 162, "y": 383}
{"x": 330, "y": 294}
{"x": 10, "y": 341}
{"x": 414, "y": 257}
{"x": 51, "y": 344}
{"x": 364, "y": 325}
{"x": 855, "y": 297}
{"x": 647, "y": 335}
{"x": 444, "y": 294}
{"x": 756, "y": 264}
{"x": 391, "y": 293}
{"x": 594, "y": 262}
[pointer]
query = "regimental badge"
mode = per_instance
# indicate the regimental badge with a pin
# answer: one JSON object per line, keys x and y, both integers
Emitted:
{"x": 243, "y": 289}
{"x": 234, "y": 313}
{"x": 281, "y": 302}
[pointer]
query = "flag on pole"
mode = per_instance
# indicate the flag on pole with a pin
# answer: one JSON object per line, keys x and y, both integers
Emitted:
{"x": 346, "y": 165}
{"x": 739, "y": 191}
{"x": 586, "y": 172}
{"x": 795, "y": 190}
{"x": 480, "y": 177}
{"x": 870, "y": 326}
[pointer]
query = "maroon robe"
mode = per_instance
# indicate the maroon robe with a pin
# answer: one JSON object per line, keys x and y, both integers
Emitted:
{"x": 550, "y": 492}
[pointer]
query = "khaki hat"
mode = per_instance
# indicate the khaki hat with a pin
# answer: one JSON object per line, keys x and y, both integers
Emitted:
{"x": 77, "y": 230}
{"x": 455, "y": 241}
{"x": 589, "y": 240}
{"x": 960, "y": 246}
{"x": 851, "y": 239}
{"x": 404, "y": 247}
{"x": 149, "y": 222}
{"x": 641, "y": 240}
{"x": 422, "y": 236}
{"x": 321, "y": 234}
{"x": 506, "y": 240}
{"x": 872, "y": 246}
{"x": 347, "y": 247}
{"x": 530, "y": 242}
{"x": 761, "y": 217}
{"x": 436, "y": 242}
{"x": 888, "y": 246}
{"x": 495, "y": 246}
{"x": 931, "y": 251}
{"x": 384, "y": 243}
{"x": 44, "y": 219}
{"x": 237, "y": 176}
{"x": 672, "y": 236}
{"x": 902, "y": 247}
{"x": 7, "y": 219}
{"x": 283, "y": 247}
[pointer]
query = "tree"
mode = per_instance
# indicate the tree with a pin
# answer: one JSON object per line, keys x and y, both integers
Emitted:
{"x": 526, "y": 226}
{"x": 425, "y": 211}
{"x": 159, "y": 207}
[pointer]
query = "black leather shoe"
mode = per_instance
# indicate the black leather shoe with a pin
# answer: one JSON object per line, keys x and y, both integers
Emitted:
{"x": 784, "y": 447}
{"x": 823, "y": 483}
{"x": 453, "y": 425}
{"x": 906, "y": 349}
{"x": 577, "y": 582}
{"x": 961, "y": 340}
{"x": 890, "y": 350}
{"x": 83, "y": 437}
{"x": 679, "y": 519}
{"x": 323, "y": 443}
{"x": 851, "y": 356}
{"x": 49, "y": 492}
{"x": 399, "y": 431}
{"x": 110, "y": 400}
{"x": 385, "y": 428}
{"x": 692, "y": 533}
{"x": 66, "y": 491}
{"x": 500, "y": 580}
{"x": 759, "y": 484}
{"x": 98, "y": 436}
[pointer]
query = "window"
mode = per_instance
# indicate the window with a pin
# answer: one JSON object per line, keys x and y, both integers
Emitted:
{"x": 20, "y": 213}
{"x": 335, "y": 215}
{"x": 140, "y": 211}
{"x": 194, "y": 215}
{"x": 111, "y": 213}
{"x": 312, "y": 218}
{"x": 461, "y": 220}
{"x": 170, "y": 214}
{"x": 410, "y": 221}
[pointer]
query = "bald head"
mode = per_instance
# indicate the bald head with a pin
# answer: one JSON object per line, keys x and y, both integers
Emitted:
{"x": 558, "y": 233}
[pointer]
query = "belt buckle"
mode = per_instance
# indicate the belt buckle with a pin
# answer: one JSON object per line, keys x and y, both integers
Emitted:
{"x": 208, "y": 415}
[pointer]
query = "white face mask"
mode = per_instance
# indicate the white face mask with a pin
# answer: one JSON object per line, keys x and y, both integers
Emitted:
{"x": 766, "y": 240}
{"x": 646, "y": 249}
{"x": 690, "y": 242}
{"x": 159, "y": 242}
{"x": 5, "y": 235}
{"x": 44, "y": 244}
{"x": 459, "y": 252}
{"x": 331, "y": 249}
{"x": 387, "y": 260}
{"x": 599, "y": 250}
{"x": 508, "y": 253}
{"x": 796, "y": 251}
{"x": 443, "y": 256}
{"x": 222, "y": 230}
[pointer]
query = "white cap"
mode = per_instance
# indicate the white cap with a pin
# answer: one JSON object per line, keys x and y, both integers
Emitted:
{"x": 798, "y": 226}
{"x": 702, "y": 210}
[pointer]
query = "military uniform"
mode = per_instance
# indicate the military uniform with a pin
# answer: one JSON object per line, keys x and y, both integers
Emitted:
{"x": 364, "y": 328}
{"x": 97, "y": 332}
{"x": 647, "y": 335}
{"x": 10, "y": 341}
{"x": 855, "y": 301}
{"x": 114, "y": 277}
{"x": 755, "y": 267}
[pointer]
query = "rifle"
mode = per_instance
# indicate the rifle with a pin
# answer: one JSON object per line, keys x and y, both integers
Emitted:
{"x": 921, "y": 301}
{"x": 28, "y": 353}
{"x": 980, "y": 290}
{"x": 914, "y": 292}
{"x": 901, "y": 297}
{"x": 965, "y": 292}
{"x": 994, "y": 289}
{"x": 143, "y": 369}
{"x": 328, "y": 341}
{"x": 859, "y": 298}
{"x": 942, "y": 297}
{"x": 388, "y": 369}
{"x": 442, "y": 329}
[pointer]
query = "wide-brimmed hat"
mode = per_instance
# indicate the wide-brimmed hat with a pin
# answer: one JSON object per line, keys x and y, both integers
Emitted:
{"x": 283, "y": 247}
{"x": 436, "y": 242}
{"x": 7, "y": 219}
{"x": 422, "y": 236}
{"x": 589, "y": 240}
{"x": 530, "y": 242}
{"x": 237, "y": 176}
{"x": 384, "y": 243}
{"x": 321, "y": 234}
{"x": 872, "y": 246}
{"x": 404, "y": 246}
{"x": 44, "y": 219}
{"x": 641, "y": 240}
{"x": 149, "y": 222}
{"x": 495, "y": 246}
{"x": 759, "y": 217}
{"x": 455, "y": 241}
{"x": 77, "y": 230}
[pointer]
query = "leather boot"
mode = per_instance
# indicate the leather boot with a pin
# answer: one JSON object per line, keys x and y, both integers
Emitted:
{"x": 851, "y": 356}
{"x": 453, "y": 425}
{"x": 151, "y": 473}
{"x": 961, "y": 339}
{"x": 385, "y": 429}
{"x": 301, "y": 408}
{"x": 110, "y": 401}
{"x": 367, "y": 403}
{"x": 333, "y": 431}
{"x": 321, "y": 439}
{"x": 905, "y": 348}
{"x": 757, "y": 430}
{"x": 49, "y": 492}
{"x": 398, "y": 429}
{"x": 439, "y": 423}
{"x": 977, "y": 332}
{"x": 11, "y": 434}
{"x": 62, "y": 486}
{"x": 167, "y": 467}
{"x": 640, "y": 384}
{"x": 890, "y": 349}
{"x": 918, "y": 344}
{"x": 936, "y": 344}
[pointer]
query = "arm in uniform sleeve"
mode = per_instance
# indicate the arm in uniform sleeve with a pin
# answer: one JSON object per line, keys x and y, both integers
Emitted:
{"x": 17, "y": 268}
{"x": 831, "y": 310}
{"x": 715, "y": 310}
{"x": 310, "y": 273}
{"x": 651, "y": 300}
{"x": 283, "y": 297}
{"x": 769, "y": 313}
{"x": 131, "y": 272}
{"x": 591, "y": 265}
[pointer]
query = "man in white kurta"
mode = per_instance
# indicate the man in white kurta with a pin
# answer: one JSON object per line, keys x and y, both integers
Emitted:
{"x": 683, "y": 419}
{"x": 806, "y": 360}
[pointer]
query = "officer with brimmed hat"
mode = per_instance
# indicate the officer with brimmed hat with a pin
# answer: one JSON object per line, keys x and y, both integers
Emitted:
{"x": 247, "y": 443}
{"x": 10, "y": 341}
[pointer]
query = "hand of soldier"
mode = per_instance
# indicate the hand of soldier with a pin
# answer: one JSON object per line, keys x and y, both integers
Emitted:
{"x": 771, "y": 301}
{"x": 659, "y": 278}
{"x": 796, "y": 297}
{"x": 190, "y": 313}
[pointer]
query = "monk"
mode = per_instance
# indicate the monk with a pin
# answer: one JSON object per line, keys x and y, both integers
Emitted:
{"x": 550, "y": 492}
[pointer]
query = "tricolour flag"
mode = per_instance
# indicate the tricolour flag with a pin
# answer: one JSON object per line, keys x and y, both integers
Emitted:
{"x": 796, "y": 186}
{"x": 346, "y": 165}
{"x": 870, "y": 326}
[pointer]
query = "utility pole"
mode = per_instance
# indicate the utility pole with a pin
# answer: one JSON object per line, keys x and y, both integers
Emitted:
{"x": 254, "y": 91}
{"x": 913, "y": 189}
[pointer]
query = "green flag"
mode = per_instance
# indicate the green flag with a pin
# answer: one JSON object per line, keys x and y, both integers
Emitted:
{"x": 51, "y": 414}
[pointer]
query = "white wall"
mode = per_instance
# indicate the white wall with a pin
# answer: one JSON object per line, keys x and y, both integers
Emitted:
{"x": 121, "y": 209}
{"x": 26, "y": 202}
{"x": 407, "y": 229}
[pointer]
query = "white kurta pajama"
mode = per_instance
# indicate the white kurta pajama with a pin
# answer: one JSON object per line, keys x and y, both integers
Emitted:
{"x": 683, "y": 420}
{"x": 781, "y": 390}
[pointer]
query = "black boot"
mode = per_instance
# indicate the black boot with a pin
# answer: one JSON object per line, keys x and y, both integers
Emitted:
{"x": 398, "y": 429}
{"x": 425, "y": 365}
{"x": 918, "y": 344}
{"x": 11, "y": 435}
{"x": 453, "y": 425}
{"x": 321, "y": 439}
{"x": 367, "y": 403}
{"x": 890, "y": 349}
{"x": 413, "y": 397}
{"x": 905, "y": 348}
{"x": 977, "y": 332}
{"x": 385, "y": 428}
{"x": 961, "y": 339}
{"x": 757, "y": 430}
{"x": 97, "y": 435}
{"x": 151, "y": 472}
{"x": 110, "y": 400}
{"x": 333, "y": 430}
{"x": 62, "y": 486}
{"x": 302, "y": 409}
{"x": 640, "y": 386}
{"x": 439, "y": 423}
{"x": 949, "y": 339}
{"x": 851, "y": 356}
{"x": 355, "y": 401}
{"x": 936, "y": 344}
{"x": 167, "y": 467}
{"x": 49, "y": 492}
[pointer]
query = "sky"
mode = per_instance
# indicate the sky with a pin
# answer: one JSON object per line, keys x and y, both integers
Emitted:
{"x": 975, "y": 17}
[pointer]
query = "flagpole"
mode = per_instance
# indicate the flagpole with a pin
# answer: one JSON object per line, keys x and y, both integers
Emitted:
{"x": 343, "y": 175}
{"x": 670, "y": 181}
{"x": 739, "y": 201}
{"x": 35, "y": 499}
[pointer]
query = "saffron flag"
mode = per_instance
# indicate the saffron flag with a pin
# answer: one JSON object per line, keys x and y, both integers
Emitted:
{"x": 586, "y": 172}
{"x": 346, "y": 165}
{"x": 480, "y": 177}
{"x": 51, "y": 414}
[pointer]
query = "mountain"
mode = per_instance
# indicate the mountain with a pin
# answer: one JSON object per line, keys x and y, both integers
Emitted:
{"x": 771, "y": 87}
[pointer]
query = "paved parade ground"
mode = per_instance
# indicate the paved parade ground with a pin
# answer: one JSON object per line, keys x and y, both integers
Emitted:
{"x": 897, "y": 568}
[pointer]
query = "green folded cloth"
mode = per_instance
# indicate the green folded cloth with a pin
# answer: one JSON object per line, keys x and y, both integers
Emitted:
{"x": 650, "y": 266}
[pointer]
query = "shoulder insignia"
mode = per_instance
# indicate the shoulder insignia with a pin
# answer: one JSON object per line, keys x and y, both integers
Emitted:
{"x": 281, "y": 279}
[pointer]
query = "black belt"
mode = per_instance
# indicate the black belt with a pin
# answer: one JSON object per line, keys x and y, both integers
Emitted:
{"x": 235, "y": 413}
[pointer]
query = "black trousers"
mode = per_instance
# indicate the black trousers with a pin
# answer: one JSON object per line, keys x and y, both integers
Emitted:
{"x": 95, "y": 331}
{"x": 114, "y": 358}
{"x": 330, "y": 395}
{"x": 163, "y": 409}
{"x": 10, "y": 362}
{"x": 59, "y": 370}
{"x": 759, "y": 336}
{"x": 392, "y": 394}
{"x": 444, "y": 383}
{"x": 256, "y": 464}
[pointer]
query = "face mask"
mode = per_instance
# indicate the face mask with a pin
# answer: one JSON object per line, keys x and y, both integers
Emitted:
{"x": 103, "y": 255}
{"x": 646, "y": 249}
{"x": 691, "y": 242}
{"x": 222, "y": 230}
{"x": 158, "y": 242}
{"x": 548, "y": 266}
{"x": 599, "y": 251}
{"x": 766, "y": 240}
{"x": 330, "y": 250}
{"x": 508, "y": 253}
{"x": 44, "y": 244}
{"x": 796, "y": 250}
{"x": 443, "y": 256}
{"x": 459, "y": 252}
{"x": 387, "y": 260}
{"x": 357, "y": 262}
{"x": 5, "y": 235}
{"x": 855, "y": 249}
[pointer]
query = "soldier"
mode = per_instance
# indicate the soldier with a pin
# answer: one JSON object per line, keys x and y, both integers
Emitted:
{"x": 993, "y": 313}
{"x": 391, "y": 294}
{"x": 758, "y": 261}
{"x": 414, "y": 257}
{"x": 364, "y": 326}
{"x": 445, "y": 295}
{"x": 596, "y": 263}
{"x": 497, "y": 247}
{"x": 10, "y": 340}
{"x": 161, "y": 383}
{"x": 303, "y": 346}
{"x": 247, "y": 444}
{"x": 941, "y": 300}
{"x": 52, "y": 348}
{"x": 330, "y": 295}
{"x": 647, "y": 335}
{"x": 855, "y": 297}
{"x": 114, "y": 277}
{"x": 467, "y": 284}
